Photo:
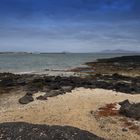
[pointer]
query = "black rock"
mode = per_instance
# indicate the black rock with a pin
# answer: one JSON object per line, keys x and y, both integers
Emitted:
{"x": 122, "y": 87}
{"x": 7, "y": 82}
{"x": 21, "y": 82}
{"x": 42, "y": 98}
{"x": 123, "y": 59}
{"x": 67, "y": 88}
{"x": 54, "y": 86}
{"x": 26, "y": 99}
{"x": 103, "y": 84}
{"x": 25, "y": 131}
{"x": 35, "y": 83}
{"x": 117, "y": 76}
{"x": 130, "y": 110}
{"x": 53, "y": 93}
{"x": 29, "y": 93}
{"x": 125, "y": 103}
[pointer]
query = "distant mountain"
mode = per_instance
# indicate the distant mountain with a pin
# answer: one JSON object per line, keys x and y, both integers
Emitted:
{"x": 118, "y": 51}
{"x": 64, "y": 52}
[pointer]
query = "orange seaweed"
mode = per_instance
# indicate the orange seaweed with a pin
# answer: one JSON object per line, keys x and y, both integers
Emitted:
{"x": 108, "y": 110}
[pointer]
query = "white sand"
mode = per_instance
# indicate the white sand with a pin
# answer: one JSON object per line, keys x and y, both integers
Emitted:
{"x": 71, "y": 109}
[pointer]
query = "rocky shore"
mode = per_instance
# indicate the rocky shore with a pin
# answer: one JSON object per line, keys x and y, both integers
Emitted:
{"x": 54, "y": 86}
{"x": 125, "y": 65}
{"x": 117, "y": 78}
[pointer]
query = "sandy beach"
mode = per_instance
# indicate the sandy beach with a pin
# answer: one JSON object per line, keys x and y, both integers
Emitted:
{"x": 103, "y": 104}
{"x": 72, "y": 109}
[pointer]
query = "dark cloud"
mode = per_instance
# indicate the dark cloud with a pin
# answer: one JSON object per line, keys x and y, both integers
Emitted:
{"x": 69, "y": 23}
{"x": 69, "y": 8}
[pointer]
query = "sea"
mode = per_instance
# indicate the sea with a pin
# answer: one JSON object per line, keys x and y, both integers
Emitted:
{"x": 40, "y": 63}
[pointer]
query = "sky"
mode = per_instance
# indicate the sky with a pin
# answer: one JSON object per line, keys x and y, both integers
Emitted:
{"x": 69, "y": 25}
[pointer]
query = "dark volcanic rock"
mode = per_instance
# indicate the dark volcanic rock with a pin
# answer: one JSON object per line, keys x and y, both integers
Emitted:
{"x": 130, "y": 110}
{"x": 67, "y": 88}
{"x": 123, "y": 59}
{"x": 104, "y": 85}
{"x": 128, "y": 65}
{"x": 36, "y": 84}
{"x": 29, "y": 93}
{"x": 25, "y": 131}
{"x": 42, "y": 98}
{"x": 50, "y": 93}
{"x": 9, "y": 79}
{"x": 116, "y": 76}
{"x": 54, "y": 86}
{"x": 26, "y": 99}
{"x": 53, "y": 93}
{"x": 7, "y": 82}
{"x": 122, "y": 87}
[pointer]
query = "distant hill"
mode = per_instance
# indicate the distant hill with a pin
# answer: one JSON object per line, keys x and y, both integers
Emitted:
{"x": 15, "y": 53}
{"x": 118, "y": 51}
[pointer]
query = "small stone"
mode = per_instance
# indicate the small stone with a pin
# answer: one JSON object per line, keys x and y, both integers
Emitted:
{"x": 67, "y": 88}
{"x": 124, "y": 129}
{"x": 26, "y": 99}
{"x": 41, "y": 98}
{"x": 53, "y": 93}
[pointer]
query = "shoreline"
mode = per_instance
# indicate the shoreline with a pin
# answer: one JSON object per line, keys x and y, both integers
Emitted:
{"x": 124, "y": 65}
{"x": 40, "y": 63}
{"x": 89, "y": 101}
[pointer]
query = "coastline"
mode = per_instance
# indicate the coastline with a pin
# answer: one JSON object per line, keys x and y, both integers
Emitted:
{"x": 124, "y": 65}
{"x": 51, "y": 73}
{"x": 41, "y": 63}
{"x": 74, "y": 99}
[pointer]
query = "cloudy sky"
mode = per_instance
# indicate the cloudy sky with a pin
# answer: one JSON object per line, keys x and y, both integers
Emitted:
{"x": 69, "y": 25}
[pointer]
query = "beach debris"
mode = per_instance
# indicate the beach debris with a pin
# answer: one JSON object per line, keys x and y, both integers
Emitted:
{"x": 131, "y": 110}
{"x": 26, "y": 131}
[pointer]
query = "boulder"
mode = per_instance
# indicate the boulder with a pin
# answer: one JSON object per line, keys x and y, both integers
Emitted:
{"x": 53, "y": 93}
{"x": 26, "y": 99}
{"x": 8, "y": 81}
{"x": 42, "y": 98}
{"x": 67, "y": 88}
{"x": 54, "y": 86}
{"x": 130, "y": 110}
{"x": 122, "y": 87}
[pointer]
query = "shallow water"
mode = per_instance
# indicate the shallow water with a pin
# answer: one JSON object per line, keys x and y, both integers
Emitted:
{"x": 27, "y": 63}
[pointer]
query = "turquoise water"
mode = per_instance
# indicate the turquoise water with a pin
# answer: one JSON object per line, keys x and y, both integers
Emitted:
{"x": 41, "y": 62}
